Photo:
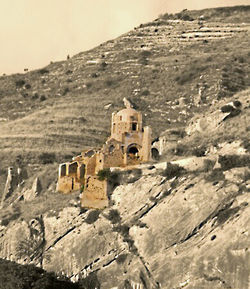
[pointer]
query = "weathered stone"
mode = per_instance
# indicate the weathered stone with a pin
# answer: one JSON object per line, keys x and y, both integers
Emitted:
{"x": 34, "y": 191}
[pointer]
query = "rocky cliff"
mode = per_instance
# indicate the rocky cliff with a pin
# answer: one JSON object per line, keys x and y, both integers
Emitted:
{"x": 170, "y": 228}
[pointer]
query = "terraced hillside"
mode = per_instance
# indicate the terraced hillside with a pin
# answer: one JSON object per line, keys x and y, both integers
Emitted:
{"x": 168, "y": 68}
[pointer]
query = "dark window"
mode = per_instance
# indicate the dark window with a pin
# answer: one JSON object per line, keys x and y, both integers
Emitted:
{"x": 63, "y": 170}
{"x": 133, "y": 150}
{"x": 134, "y": 126}
{"x": 111, "y": 148}
{"x": 155, "y": 154}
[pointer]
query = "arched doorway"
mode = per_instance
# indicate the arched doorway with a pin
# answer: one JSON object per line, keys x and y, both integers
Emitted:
{"x": 133, "y": 151}
{"x": 155, "y": 154}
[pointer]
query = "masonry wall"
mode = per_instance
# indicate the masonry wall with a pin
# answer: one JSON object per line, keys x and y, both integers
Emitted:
{"x": 95, "y": 194}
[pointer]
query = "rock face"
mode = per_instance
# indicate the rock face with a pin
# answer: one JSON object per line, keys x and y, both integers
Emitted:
{"x": 34, "y": 191}
{"x": 189, "y": 231}
{"x": 212, "y": 121}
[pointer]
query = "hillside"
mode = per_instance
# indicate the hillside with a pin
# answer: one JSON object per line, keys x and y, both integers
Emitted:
{"x": 61, "y": 108}
{"x": 183, "y": 224}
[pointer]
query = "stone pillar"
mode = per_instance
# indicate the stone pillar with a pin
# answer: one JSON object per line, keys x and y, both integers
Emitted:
{"x": 10, "y": 185}
{"x": 146, "y": 144}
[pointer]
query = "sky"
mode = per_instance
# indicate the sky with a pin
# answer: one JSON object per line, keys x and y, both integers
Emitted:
{"x": 35, "y": 32}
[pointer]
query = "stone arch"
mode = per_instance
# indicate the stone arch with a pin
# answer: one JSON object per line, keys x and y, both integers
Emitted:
{"x": 155, "y": 154}
{"x": 133, "y": 151}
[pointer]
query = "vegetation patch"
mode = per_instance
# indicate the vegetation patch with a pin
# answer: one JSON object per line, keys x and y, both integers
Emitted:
{"x": 190, "y": 73}
{"x": 173, "y": 170}
{"x": 92, "y": 217}
{"x": 215, "y": 176}
{"x": 228, "y": 162}
{"x": 113, "y": 216}
{"x": 14, "y": 275}
{"x": 20, "y": 83}
{"x": 47, "y": 158}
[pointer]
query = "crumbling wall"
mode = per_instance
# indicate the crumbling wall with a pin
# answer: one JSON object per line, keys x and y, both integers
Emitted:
{"x": 95, "y": 194}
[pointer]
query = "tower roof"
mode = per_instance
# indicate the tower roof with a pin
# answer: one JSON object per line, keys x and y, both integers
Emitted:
{"x": 127, "y": 112}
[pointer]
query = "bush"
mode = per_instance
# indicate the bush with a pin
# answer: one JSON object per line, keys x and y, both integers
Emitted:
{"x": 43, "y": 71}
{"x": 92, "y": 217}
{"x": 145, "y": 92}
{"x": 192, "y": 72}
{"x": 173, "y": 170}
{"x": 104, "y": 174}
{"x": 215, "y": 176}
{"x": 103, "y": 65}
{"x": 47, "y": 158}
{"x": 20, "y": 83}
{"x": 90, "y": 282}
{"x": 89, "y": 84}
{"x": 42, "y": 98}
{"x": 18, "y": 276}
{"x": 27, "y": 86}
{"x": 114, "y": 216}
{"x": 145, "y": 53}
{"x": 228, "y": 162}
{"x": 65, "y": 91}
{"x": 198, "y": 151}
{"x": 109, "y": 82}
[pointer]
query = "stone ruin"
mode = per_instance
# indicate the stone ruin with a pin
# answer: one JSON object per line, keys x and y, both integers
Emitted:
{"x": 128, "y": 145}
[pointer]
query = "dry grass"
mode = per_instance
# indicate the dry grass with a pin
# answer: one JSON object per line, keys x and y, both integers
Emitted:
{"x": 72, "y": 116}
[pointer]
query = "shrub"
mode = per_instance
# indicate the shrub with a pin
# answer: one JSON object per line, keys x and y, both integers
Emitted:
{"x": 104, "y": 174}
{"x": 7, "y": 219}
{"x": 227, "y": 108}
{"x": 14, "y": 275}
{"x": 145, "y": 92}
{"x": 145, "y": 53}
{"x": 47, "y": 158}
{"x": 114, "y": 216}
{"x": 20, "y": 83}
{"x": 173, "y": 170}
{"x": 43, "y": 71}
{"x": 103, "y": 65}
{"x": 89, "y": 84}
{"x": 122, "y": 229}
{"x": 111, "y": 177}
{"x": 42, "y": 97}
{"x": 192, "y": 72}
{"x": 27, "y": 86}
{"x": 228, "y": 162}
{"x": 198, "y": 151}
{"x": 215, "y": 176}
{"x": 65, "y": 91}
{"x": 35, "y": 96}
{"x": 180, "y": 150}
{"x": 109, "y": 82}
{"x": 92, "y": 217}
{"x": 90, "y": 282}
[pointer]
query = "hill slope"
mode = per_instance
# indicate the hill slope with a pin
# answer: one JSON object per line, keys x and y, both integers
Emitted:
{"x": 61, "y": 108}
{"x": 166, "y": 227}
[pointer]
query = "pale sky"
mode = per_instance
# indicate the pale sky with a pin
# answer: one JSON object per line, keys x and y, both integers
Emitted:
{"x": 35, "y": 32}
